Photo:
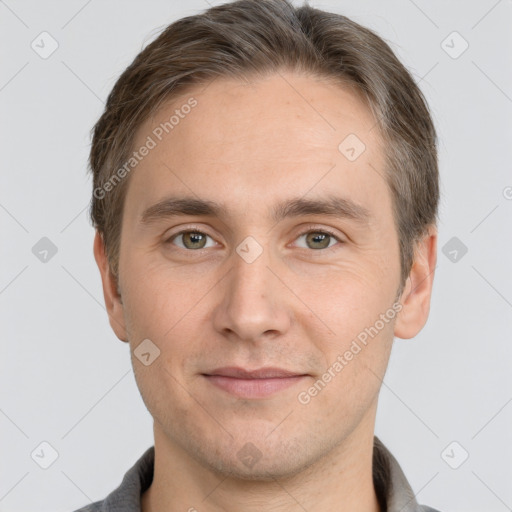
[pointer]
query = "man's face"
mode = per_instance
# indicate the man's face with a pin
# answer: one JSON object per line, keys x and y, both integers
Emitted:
{"x": 250, "y": 289}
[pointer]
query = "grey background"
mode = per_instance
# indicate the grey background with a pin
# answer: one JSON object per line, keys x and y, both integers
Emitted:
{"x": 67, "y": 380}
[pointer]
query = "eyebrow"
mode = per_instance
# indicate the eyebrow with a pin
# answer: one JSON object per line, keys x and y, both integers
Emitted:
{"x": 331, "y": 206}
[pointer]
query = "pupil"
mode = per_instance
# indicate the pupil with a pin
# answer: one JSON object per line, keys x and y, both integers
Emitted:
{"x": 320, "y": 238}
{"x": 195, "y": 238}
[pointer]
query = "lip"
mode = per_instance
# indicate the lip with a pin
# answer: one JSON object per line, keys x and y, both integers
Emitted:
{"x": 269, "y": 372}
{"x": 253, "y": 384}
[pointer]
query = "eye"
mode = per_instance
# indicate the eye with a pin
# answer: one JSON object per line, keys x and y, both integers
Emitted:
{"x": 319, "y": 239}
{"x": 190, "y": 239}
{"x": 193, "y": 239}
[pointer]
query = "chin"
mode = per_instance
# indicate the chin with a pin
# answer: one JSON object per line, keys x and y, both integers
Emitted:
{"x": 267, "y": 471}
{"x": 243, "y": 460}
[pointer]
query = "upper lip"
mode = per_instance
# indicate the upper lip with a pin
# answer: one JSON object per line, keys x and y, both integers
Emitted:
{"x": 259, "y": 373}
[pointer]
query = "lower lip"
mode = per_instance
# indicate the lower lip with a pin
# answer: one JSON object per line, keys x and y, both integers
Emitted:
{"x": 253, "y": 388}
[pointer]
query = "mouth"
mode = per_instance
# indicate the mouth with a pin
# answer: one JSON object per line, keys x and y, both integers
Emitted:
{"x": 253, "y": 384}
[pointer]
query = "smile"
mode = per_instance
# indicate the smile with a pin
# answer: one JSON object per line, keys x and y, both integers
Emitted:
{"x": 254, "y": 384}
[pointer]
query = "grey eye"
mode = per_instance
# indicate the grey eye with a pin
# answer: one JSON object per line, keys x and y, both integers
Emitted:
{"x": 191, "y": 240}
{"x": 318, "y": 240}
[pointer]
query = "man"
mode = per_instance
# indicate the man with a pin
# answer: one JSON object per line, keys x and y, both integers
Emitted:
{"x": 265, "y": 199}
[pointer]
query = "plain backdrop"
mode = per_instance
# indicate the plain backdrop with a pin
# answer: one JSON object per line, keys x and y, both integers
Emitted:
{"x": 66, "y": 380}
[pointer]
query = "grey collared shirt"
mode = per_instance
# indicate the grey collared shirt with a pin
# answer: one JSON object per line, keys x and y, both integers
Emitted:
{"x": 392, "y": 488}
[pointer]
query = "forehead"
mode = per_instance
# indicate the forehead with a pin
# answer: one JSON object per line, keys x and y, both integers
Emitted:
{"x": 283, "y": 110}
{"x": 284, "y": 133}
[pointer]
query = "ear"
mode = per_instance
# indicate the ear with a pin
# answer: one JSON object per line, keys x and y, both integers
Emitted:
{"x": 111, "y": 295}
{"x": 415, "y": 298}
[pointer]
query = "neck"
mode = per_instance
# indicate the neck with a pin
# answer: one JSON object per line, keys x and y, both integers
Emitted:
{"x": 341, "y": 481}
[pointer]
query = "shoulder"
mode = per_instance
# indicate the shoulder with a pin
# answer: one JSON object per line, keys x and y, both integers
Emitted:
{"x": 127, "y": 496}
{"x": 93, "y": 507}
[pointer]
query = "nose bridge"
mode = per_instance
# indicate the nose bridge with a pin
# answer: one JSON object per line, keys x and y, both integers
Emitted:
{"x": 250, "y": 276}
{"x": 252, "y": 303}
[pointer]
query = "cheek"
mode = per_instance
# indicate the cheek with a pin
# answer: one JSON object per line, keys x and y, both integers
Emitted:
{"x": 159, "y": 294}
{"x": 164, "y": 393}
{"x": 353, "y": 325}
{"x": 167, "y": 307}
{"x": 353, "y": 373}
{"x": 345, "y": 298}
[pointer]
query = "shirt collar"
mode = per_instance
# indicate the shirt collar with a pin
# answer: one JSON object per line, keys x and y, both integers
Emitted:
{"x": 392, "y": 488}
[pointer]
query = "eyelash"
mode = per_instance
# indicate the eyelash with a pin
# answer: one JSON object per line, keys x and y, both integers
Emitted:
{"x": 310, "y": 229}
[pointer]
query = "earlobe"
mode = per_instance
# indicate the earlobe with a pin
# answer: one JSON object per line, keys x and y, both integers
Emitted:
{"x": 113, "y": 302}
{"x": 417, "y": 291}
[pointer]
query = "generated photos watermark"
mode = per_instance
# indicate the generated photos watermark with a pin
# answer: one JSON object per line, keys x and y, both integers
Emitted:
{"x": 151, "y": 142}
{"x": 342, "y": 360}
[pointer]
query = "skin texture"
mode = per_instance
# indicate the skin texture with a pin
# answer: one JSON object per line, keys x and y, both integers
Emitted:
{"x": 296, "y": 306}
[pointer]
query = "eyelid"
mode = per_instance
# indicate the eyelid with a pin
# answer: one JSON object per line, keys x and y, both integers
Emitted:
{"x": 320, "y": 229}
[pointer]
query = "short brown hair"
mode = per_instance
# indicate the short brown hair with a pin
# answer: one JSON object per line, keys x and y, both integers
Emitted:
{"x": 257, "y": 37}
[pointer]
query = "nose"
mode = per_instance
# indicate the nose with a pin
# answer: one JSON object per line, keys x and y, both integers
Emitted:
{"x": 253, "y": 303}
